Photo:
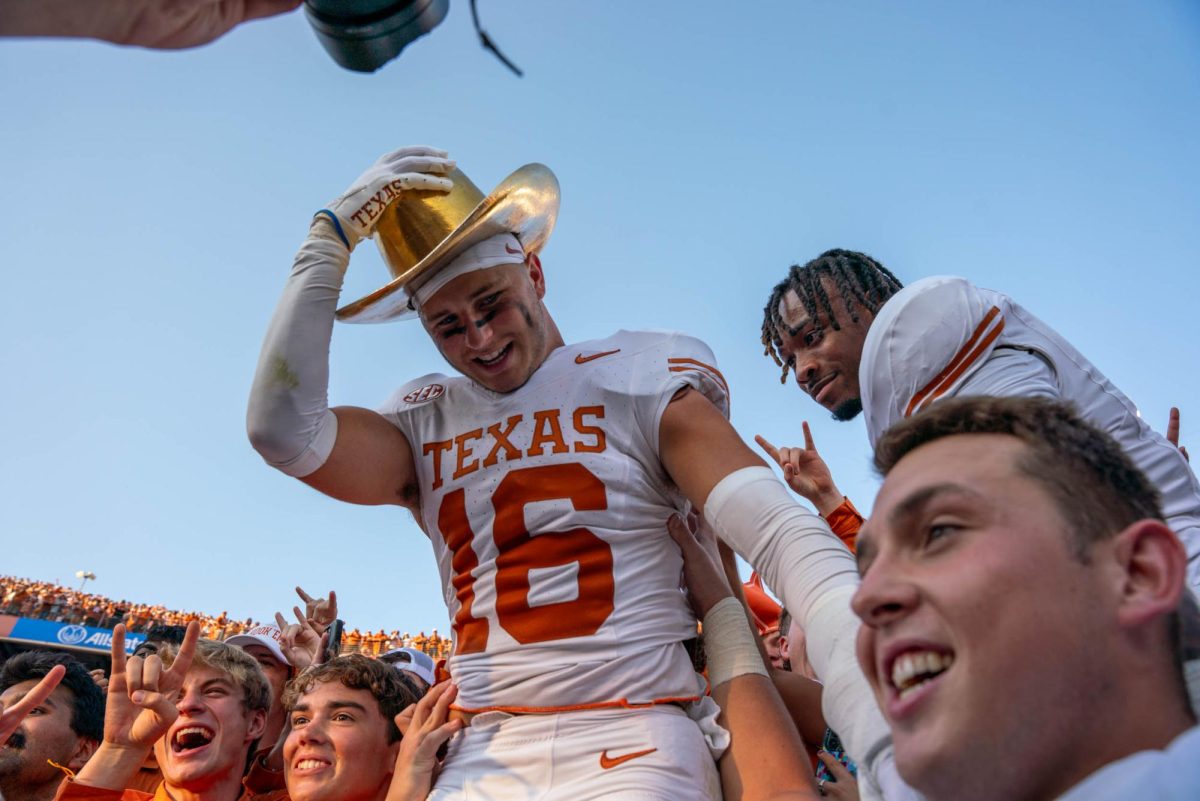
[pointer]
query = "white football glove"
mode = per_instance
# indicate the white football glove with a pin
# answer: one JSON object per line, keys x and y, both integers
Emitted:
{"x": 360, "y": 206}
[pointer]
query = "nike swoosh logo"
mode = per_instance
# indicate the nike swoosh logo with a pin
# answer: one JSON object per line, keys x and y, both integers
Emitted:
{"x": 517, "y": 252}
{"x": 581, "y": 359}
{"x": 607, "y": 762}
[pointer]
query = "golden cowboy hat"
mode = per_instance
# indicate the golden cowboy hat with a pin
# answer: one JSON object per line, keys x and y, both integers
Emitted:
{"x": 423, "y": 231}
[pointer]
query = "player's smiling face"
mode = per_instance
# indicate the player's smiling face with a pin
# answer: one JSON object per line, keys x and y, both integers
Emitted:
{"x": 339, "y": 746}
{"x": 969, "y": 588}
{"x": 824, "y": 359}
{"x": 491, "y": 325}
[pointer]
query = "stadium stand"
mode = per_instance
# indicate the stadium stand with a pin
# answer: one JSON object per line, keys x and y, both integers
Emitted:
{"x": 45, "y": 614}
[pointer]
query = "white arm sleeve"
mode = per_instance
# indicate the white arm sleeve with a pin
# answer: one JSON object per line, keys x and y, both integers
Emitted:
{"x": 288, "y": 419}
{"x": 815, "y": 576}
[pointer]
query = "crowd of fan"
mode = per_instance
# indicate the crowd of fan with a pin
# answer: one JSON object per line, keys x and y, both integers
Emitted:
{"x": 48, "y": 600}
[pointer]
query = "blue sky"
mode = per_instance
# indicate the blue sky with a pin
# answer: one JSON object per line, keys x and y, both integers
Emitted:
{"x": 153, "y": 202}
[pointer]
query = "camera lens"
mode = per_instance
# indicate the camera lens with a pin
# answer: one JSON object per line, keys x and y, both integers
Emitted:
{"x": 363, "y": 35}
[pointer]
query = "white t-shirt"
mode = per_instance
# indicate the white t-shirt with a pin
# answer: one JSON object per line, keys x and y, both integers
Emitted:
{"x": 1170, "y": 775}
{"x": 547, "y": 510}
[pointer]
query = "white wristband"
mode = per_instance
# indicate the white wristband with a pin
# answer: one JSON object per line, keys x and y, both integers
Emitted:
{"x": 729, "y": 644}
{"x": 815, "y": 576}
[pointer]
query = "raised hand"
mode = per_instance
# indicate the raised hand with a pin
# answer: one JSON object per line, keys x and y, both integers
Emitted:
{"x": 299, "y": 641}
{"x": 320, "y": 612}
{"x": 10, "y": 718}
{"x": 142, "y": 693}
{"x": 100, "y": 679}
{"x": 425, "y": 726}
{"x": 1173, "y": 432}
{"x": 139, "y": 710}
{"x": 806, "y": 472}
{"x": 409, "y": 168}
{"x": 159, "y": 24}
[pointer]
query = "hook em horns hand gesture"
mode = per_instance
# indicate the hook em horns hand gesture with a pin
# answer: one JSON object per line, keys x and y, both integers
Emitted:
{"x": 806, "y": 472}
{"x": 140, "y": 709}
{"x": 142, "y": 692}
{"x": 300, "y": 642}
{"x": 320, "y": 612}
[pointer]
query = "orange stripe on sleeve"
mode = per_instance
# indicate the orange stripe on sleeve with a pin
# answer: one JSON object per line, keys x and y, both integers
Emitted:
{"x": 708, "y": 368}
{"x": 962, "y": 368}
{"x": 966, "y": 355}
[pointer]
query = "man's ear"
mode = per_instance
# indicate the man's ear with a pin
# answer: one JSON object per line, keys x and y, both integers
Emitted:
{"x": 392, "y": 755}
{"x": 785, "y": 648}
{"x": 534, "y": 265}
{"x": 258, "y": 725}
{"x": 83, "y": 752}
{"x": 1154, "y": 565}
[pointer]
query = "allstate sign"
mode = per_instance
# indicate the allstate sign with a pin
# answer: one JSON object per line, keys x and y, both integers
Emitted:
{"x": 70, "y": 634}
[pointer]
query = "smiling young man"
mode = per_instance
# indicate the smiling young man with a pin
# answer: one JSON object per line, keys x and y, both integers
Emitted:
{"x": 1020, "y": 601}
{"x": 343, "y": 739}
{"x": 63, "y": 730}
{"x": 543, "y": 475}
{"x": 200, "y": 706}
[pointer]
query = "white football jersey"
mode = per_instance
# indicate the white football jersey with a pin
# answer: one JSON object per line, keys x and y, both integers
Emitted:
{"x": 547, "y": 510}
{"x": 943, "y": 336}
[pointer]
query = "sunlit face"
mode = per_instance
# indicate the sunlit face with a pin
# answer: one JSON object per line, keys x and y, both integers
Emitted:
{"x": 44, "y": 734}
{"x": 210, "y": 739}
{"x": 277, "y": 672}
{"x": 823, "y": 359}
{"x": 491, "y": 326}
{"x": 983, "y": 636}
{"x": 338, "y": 748}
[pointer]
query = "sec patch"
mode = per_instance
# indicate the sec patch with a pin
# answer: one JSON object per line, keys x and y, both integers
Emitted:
{"x": 425, "y": 394}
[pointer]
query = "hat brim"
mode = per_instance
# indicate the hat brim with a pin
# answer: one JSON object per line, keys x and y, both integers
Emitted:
{"x": 242, "y": 640}
{"x": 525, "y": 204}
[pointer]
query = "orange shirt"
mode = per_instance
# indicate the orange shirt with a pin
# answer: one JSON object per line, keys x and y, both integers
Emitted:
{"x": 71, "y": 790}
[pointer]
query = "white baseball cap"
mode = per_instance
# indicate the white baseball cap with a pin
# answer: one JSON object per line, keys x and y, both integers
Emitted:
{"x": 418, "y": 663}
{"x": 265, "y": 635}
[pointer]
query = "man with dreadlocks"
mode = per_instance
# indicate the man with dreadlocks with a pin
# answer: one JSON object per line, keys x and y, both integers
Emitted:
{"x": 800, "y": 318}
{"x": 857, "y": 341}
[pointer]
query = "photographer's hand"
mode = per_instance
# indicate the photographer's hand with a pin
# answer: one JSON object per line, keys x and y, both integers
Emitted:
{"x": 158, "y": 24}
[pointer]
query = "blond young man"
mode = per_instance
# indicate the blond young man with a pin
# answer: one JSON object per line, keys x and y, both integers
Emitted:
{"x": 200, "y": 706}
{"x": 543, "y": 475}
